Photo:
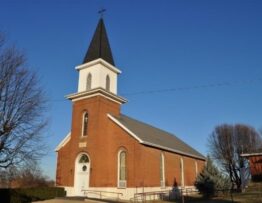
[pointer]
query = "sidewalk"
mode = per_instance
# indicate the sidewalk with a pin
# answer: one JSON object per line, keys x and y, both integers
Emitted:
{"x": 68, "y": 201}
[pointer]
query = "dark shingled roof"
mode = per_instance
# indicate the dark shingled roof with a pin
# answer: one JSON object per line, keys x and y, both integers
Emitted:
{"x": 157, "y": 137}
{"x": 99, "y": 46}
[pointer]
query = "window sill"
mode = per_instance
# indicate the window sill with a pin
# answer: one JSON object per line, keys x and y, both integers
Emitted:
{"x": 121, "y": 187}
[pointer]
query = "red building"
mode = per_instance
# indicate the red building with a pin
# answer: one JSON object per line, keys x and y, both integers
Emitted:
{"x": 255, "y": 164}
{"x": 109, "y": 151}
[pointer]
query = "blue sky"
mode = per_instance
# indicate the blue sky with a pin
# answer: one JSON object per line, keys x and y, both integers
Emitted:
{"x": 158, "y": 45}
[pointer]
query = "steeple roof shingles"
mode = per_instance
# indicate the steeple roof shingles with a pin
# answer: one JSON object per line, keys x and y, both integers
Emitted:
{"x": 99, "y": 46}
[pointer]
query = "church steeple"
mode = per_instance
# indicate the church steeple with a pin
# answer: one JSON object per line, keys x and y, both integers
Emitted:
{"x": 99, "y": 46}
{"x": 98, "y": 75}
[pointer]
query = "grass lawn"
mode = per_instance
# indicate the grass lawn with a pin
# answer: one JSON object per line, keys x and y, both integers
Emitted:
{"x": 253, "y": 194}
{"x": 248, "y": 197}
{"x": 237, "y": 198}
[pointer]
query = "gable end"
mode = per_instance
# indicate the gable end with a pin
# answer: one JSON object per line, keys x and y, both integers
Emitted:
{"x": 125, "y": 128}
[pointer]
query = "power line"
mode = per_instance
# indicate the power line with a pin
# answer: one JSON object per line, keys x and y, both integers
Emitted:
{"x": 186, "y": 88}
{"x": 202, "y": 86}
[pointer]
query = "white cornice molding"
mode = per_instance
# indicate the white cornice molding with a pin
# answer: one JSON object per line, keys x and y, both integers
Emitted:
{"x": 96, "y": 92}
{"x": 97, "y": 61}
{"x": 149, "y": 143}
{"x": 63, "y": 142}
{"x": 251, "y": 154}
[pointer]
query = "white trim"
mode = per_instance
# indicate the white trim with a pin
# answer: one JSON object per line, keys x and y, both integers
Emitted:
{"x": 125, "y": 128}
{"x": 94, "y": 95}
{"x": 63, "y": 142}
{"x": 95, "y": 92}
{"x": 196, "y": 167}
{"x": 251, "y": 154}
{"x": 182, "y": 172}
{"x": 76, "y": 171}
{"x": 99, "y": 60}
{"x": 163, "y": 181}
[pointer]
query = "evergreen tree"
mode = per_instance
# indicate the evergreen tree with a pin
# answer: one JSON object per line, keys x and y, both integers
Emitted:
{"x": 211, "y": 180}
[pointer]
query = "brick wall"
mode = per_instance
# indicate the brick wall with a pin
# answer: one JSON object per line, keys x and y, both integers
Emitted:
{"x": 103, "y": 142}
{"x": 255, "y": 163}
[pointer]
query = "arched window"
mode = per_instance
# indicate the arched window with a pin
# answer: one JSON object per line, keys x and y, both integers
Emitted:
{"x": 182, "y": 171}
{"x": 196, "y": 167}
{"x": 162, "y": 170}
{"x": 122, "y": 169}
{"x": 107, "y": 83}
{"x": 88, "y": 81}
{"x": 83, "y": 159}
{"x": 85, "y": 124}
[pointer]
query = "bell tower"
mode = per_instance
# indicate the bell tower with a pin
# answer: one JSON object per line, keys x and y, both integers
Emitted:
{"x": 95, "y": 99}
{"x": 98, "y": 69}
{"x": 98, "y": 73}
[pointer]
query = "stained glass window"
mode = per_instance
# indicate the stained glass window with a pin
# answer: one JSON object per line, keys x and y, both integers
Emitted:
{"x": 122, "y": 165}
{"x": 85, "y": 124}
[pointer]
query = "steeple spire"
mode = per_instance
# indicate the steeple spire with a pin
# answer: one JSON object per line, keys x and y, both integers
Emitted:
{"x": 99, "y": 46}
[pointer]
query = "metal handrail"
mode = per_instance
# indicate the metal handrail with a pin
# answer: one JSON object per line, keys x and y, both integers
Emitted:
{"x": 100, "y": 193}
{"x": 144, "y": 195}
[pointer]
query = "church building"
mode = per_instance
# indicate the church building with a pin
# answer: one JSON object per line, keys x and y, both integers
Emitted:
{"x": 111, "y": 152}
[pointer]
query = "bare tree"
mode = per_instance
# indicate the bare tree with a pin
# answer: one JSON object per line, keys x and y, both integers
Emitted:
{"x": 21, "y": 109}
{"x": 226, "y": 144}
{"x": 24, "y": 177}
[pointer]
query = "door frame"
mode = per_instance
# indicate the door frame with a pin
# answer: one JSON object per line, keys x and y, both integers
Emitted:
{"x": 76, "y": 174}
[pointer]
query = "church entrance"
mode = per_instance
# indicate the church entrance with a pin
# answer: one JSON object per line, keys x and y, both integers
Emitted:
{"x": 82, "y": 173}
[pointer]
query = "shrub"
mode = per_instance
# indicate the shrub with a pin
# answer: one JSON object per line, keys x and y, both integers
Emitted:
{"x": 210, "y": 181}
{"x": 25, "y": 195}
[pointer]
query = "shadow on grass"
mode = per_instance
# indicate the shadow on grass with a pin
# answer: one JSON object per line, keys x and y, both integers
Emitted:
{"x": 188, "y": 199}
{"x": 85, "y": 199}
{"x": 197, "y": 199}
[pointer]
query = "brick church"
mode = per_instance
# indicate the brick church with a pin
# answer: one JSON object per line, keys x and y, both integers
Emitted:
{"x": 112, "y": 152}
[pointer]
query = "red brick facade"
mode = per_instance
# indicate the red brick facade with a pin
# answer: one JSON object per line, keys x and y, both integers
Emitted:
{"x": 255, "y": 163}
{"x": 103, "y": 142}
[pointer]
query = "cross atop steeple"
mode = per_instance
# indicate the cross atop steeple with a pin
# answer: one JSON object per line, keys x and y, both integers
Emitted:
{"x": 99, "y": 46}
{"x": 101, "y": 12}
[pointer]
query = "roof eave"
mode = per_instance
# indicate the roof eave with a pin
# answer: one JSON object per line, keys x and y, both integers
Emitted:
{"x": 149, "y": 143}
{"x": 96, "y": 61}
{"x": 63, "y": 142}
{"x": 251, "y": 154}
{"x": 172, "y": 150}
